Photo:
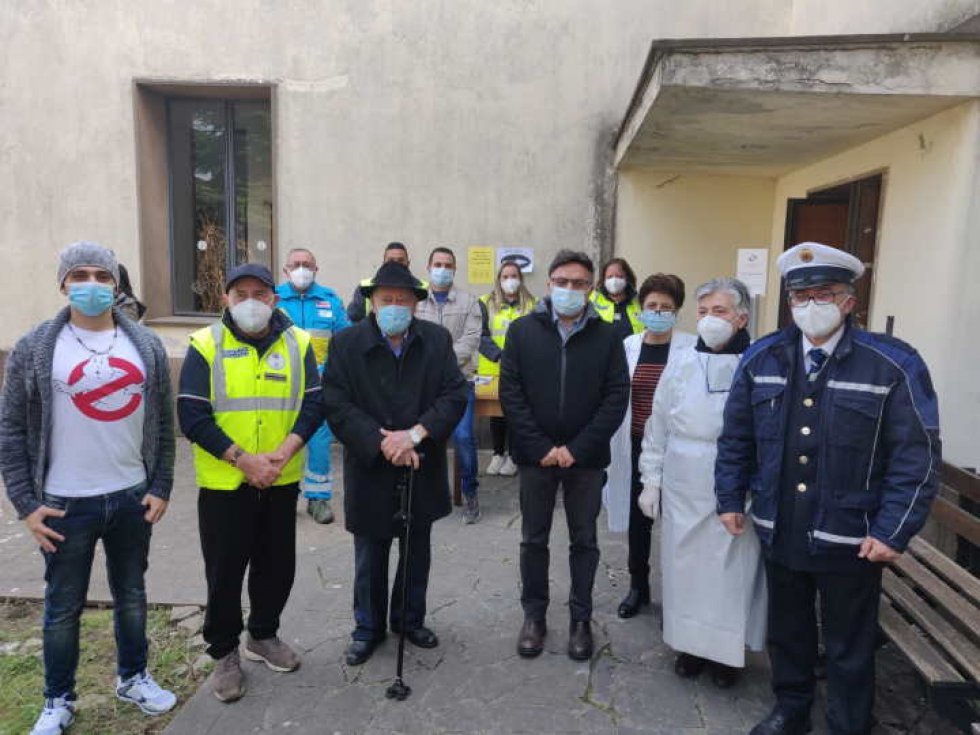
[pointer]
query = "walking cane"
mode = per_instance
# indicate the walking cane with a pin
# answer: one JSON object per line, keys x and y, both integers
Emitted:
{"x": 399, "y": 689}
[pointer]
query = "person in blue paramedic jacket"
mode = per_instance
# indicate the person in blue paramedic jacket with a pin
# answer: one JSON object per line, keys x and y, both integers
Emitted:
{"x": 831, "y": 447}
{"x": 320, "y": 311}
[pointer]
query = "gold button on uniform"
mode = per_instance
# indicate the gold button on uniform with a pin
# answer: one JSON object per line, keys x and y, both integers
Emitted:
{"x": 801, "y": 487}
{"x": 805, "y": 431}
{"x": 808, "y": 402}
{"x": 804, "y": 459}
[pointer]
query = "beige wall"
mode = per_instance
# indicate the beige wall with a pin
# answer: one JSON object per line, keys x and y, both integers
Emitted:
{"x": 434, "y": 122}
{"x": 928, "y": 247}
{"x": 690, "y": 225}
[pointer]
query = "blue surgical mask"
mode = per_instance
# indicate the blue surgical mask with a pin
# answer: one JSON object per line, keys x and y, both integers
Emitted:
{"x": 658, "y": 322}
{"x": 567, "y": 301}
{"x": 90, "y": 298}
{"x": 441, "y": 277}
{"x": 394, "y": 319}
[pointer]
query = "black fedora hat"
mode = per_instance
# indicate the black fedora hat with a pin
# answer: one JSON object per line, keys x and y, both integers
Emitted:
{"x": 395, "y": 275}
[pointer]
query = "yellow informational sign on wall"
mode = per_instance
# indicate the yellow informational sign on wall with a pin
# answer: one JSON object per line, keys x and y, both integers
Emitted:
{"x": 480, "y": 260}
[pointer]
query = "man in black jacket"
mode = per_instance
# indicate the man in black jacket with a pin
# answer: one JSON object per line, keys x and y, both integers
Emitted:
{"x": 392, "y": 393}
{"x": 564, "y": 389}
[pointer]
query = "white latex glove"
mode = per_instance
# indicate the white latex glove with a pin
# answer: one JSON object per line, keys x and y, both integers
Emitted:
{"x": 649, "y": 501}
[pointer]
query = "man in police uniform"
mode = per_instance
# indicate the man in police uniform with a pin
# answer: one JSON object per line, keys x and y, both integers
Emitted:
{"x": 249, "y": 401}
{"x": 835, "y": 432}
{"x": 318, "y": 310}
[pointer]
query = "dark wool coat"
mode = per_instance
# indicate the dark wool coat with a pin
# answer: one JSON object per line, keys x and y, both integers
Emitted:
{"x": 367, "y": 388}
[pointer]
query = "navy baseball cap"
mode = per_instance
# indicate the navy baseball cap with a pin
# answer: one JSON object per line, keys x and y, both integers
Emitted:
{"x": 249, "y": 270}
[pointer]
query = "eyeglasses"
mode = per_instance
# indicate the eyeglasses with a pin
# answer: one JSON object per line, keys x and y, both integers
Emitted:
{"x": 822, "y": 296}
{"x": 578, "y": 284}
{"x": 662, "y": 312}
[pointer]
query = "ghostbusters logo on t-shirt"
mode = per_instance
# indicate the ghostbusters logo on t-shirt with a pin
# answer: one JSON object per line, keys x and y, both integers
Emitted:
{"x": 104, "y": 388}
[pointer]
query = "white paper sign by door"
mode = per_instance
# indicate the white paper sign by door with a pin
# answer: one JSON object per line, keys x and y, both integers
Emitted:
{"x": 752, "y": 269}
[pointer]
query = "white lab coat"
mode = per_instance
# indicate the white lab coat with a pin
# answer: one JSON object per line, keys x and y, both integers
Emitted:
{"x": 619, "y": 475}
{"x": 714, "y": 593}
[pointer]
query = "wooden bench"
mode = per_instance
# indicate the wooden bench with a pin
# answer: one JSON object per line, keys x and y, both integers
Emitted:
{"x": 930, "y": 607}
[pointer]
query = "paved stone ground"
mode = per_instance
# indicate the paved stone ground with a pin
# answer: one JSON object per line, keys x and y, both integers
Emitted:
{"x": 474, "y": 681}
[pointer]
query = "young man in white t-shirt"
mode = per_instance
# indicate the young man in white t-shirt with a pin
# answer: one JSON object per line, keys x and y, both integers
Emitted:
{"x": 87, "y": 453}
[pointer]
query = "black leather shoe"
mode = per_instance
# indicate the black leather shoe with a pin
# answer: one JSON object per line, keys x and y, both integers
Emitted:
{"x": 360, "y": 651}
{"x": 688, "y": 666}
{"x": 634, "y": 600}
{"x": 780, "y": 723}
{"x": 422, "y": 637}
{"x": 580, "y": 640}
{"x": 530, "y": 642}
{"x": 723, "y": 677}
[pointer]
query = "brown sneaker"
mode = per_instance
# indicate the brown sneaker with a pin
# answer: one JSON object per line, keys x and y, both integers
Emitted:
{"x": 273, "y": 652}
{"x": 227, "y": 679}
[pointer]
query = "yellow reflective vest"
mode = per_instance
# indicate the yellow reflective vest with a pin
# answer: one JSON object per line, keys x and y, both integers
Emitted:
{"x": 606, "y": 309}
{"x": 498, "y": 322}
{"x": 256, "y": 400}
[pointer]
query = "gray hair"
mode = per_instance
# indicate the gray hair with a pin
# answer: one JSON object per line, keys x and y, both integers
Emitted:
{"x": 741, "y": 300}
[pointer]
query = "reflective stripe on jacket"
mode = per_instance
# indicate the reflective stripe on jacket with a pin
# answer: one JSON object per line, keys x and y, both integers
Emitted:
{"x": 499, "y": 323}
{"x": 256, "y": 400}
{"x": 878, "y": 425}
{"x": 606, "y": 309}
{"x": 318, "y": 310}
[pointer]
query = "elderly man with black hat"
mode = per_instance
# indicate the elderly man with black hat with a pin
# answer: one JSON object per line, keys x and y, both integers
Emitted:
{"x": 249, "y": 400}
{"x": 392, "y": 393}
{"x": 834, "y": 433}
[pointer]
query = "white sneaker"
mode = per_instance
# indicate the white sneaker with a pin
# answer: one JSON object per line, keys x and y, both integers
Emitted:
{"x": 496, "y": 462}
{"x": 145, "y": 693}
{"x": 508, "y": 469}
{"x": 56, "y": 717}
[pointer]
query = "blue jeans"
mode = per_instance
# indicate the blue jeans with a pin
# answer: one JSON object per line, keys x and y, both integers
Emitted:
{"x": 371, "y": 601}
{"x": 317, "y": 483}
{"x": 117, "y": 519}
{"x": 464, "y": 440}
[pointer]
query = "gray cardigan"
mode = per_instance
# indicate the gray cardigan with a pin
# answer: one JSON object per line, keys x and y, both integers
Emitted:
{"x": 25, "y": 412}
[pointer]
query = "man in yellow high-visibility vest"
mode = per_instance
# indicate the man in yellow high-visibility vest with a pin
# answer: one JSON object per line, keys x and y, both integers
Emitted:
{"x": 249, "y": 400}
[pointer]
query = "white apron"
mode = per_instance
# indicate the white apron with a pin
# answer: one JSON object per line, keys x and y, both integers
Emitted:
{"x": 714, "y": 595}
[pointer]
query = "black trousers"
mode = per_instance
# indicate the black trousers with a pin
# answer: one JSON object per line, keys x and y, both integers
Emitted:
{"x": 498, "y": 434}
{"x": 849, "y": 618}
{"x": 254, "y": 529}
{"x": 582, "y": 489}
{"x": 371, "y": 557}
{"x": 640, "y": 529}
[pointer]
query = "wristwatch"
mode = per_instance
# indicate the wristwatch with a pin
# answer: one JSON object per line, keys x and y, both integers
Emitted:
{"x": 235, "y": 456}
{"x": 415, "y": 436}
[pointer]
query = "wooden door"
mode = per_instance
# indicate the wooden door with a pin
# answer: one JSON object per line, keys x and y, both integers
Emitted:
{"x": 845, "y": 217}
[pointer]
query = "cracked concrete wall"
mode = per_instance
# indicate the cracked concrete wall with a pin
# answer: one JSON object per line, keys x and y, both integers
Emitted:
{"x": 832, "y": 17}
{"x": 437, "y": 122}
{"x": 928, "y": 258}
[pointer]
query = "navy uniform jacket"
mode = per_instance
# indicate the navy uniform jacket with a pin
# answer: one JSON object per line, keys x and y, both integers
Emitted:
{"x": 878, "y": 428}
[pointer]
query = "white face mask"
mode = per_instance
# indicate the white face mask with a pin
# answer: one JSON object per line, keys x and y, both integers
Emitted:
{"x": 301, "y": 278}
{"x": 715, "y": 331}
{"x": 817, "y": 320}
{"x": 251, "y": 315}
{"x": 510, "y": 286}
{"x": 615, "y": 284}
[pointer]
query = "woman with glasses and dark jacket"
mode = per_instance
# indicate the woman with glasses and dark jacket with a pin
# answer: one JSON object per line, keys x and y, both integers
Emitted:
{"x": 713, "y": 583}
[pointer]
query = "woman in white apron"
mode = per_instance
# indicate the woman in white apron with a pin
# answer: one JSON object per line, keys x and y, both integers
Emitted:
{"x": 713, "y": 583}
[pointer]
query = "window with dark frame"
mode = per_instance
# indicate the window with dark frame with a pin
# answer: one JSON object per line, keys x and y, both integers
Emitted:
{"x": 221, "y": 195}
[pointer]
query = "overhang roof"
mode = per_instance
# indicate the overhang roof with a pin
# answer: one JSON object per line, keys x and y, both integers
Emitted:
{"x": 766, "y": 106}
